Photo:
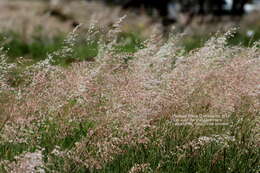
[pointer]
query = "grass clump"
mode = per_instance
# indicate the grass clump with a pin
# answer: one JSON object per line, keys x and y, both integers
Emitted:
{"x": 136, "y": 107}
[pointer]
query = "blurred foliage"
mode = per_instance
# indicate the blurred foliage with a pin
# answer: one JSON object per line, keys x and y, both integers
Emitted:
{"x": 35, "y": 49}
{"x": 244, "y": 38}
{"x": 39, "y": 46}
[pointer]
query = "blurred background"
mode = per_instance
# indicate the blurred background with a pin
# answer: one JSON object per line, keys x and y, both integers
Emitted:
{"x": 32, "y": 28}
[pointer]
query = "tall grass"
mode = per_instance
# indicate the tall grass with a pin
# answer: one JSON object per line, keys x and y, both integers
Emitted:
{"x": 118, "y": 112}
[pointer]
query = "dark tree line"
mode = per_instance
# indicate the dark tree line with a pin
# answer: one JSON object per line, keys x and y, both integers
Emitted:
{"x": 189, "y": 7}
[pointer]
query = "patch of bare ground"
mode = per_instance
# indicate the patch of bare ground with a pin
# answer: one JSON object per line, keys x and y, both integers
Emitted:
{"x": 54, "y": 17}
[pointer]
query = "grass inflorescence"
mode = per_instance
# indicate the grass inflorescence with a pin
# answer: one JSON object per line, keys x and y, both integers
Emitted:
{"x": 134, "y": 106}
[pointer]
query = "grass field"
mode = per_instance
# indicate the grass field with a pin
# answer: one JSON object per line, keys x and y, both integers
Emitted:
{"x": 116, "y": 102}
{"x": 106, "y": 98}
